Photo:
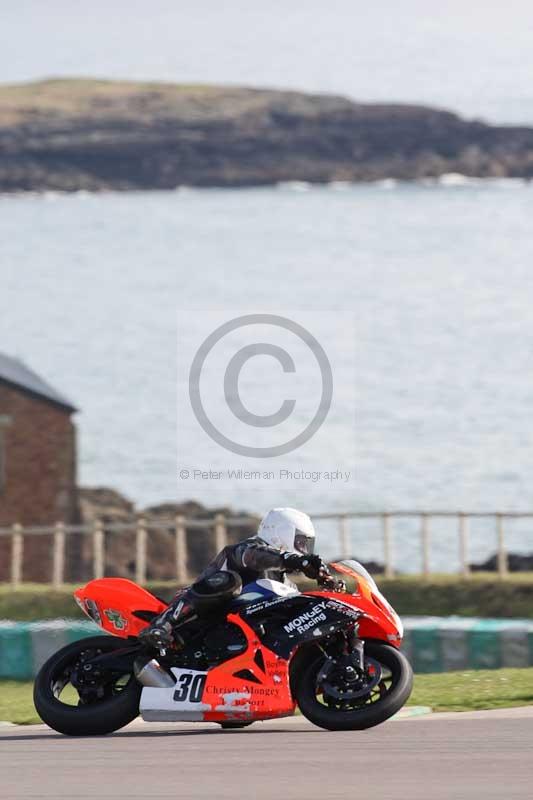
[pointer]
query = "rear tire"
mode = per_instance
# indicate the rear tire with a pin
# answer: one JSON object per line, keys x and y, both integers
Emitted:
{"x": 98, "y": 718}
{"x": 367, "y": 715}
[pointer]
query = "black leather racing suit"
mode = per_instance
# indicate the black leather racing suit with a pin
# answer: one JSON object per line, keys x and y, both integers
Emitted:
{"x": 251, "y": 559}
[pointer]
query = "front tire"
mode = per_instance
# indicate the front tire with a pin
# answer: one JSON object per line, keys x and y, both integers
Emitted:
{"x": 117, "y": 706}
{"x": 369, "y": 710}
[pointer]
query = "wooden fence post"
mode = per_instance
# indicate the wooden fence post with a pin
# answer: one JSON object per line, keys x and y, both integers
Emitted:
{"x": 463, "y": 545}
{"x": 344, "y": 539}
{"x": 503, "y": 564}
{"x": 98, "y": 549}
{"x": 58, "y": 567}
{"x": 181, "y": 550}
{"x": 17, "y": 555}
{"x": 221, "y": 533}
{"x": 140, "y": 552}
{"x": 424, "y": 534}
{"x": 387, "y": 546}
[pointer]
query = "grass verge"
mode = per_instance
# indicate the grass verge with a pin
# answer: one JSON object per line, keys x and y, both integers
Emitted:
{"x": 474, "y": 690}
{"x": 16, "y": 703}
{"x": 449, "y": 691}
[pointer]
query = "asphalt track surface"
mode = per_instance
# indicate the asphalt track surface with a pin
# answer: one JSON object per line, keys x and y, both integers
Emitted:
{"x": 471, "y": 756}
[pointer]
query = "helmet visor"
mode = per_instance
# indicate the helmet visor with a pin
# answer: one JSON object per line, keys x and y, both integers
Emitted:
{"x": 303, "y": 543}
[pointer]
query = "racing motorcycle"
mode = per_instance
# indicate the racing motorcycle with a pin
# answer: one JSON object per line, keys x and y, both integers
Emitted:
{"x": 333, "y": 652}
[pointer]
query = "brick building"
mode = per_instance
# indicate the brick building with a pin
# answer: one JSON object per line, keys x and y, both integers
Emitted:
{"x": 37, "y": 461}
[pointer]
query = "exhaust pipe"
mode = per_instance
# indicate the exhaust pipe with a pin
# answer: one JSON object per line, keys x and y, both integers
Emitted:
{"x": 151, "y": 673}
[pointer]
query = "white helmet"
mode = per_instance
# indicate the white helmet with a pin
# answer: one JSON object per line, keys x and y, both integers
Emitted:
{"x": 288, "y": 529}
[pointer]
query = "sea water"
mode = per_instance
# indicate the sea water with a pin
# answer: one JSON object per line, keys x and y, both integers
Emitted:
{"x": 438, "y": 278}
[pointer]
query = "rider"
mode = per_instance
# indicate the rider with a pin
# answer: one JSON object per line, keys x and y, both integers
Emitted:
{"x": 284, "y": 543}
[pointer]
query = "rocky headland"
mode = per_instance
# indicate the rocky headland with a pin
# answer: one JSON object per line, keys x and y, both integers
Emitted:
{"x": 88, "y": 135}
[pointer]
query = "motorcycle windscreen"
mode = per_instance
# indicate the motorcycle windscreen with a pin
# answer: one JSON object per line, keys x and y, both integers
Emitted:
{"x": 353, "y": 569}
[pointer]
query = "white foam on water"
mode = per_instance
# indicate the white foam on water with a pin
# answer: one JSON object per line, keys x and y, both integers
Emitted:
{"x": 456, "y": 179}
{"x": 387, "y": 183}
{"x": 295, "y": 186}
{"x": 340, "y": 186}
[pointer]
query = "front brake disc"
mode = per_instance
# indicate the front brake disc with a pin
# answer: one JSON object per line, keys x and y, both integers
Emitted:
{"x": 333, "y": 683}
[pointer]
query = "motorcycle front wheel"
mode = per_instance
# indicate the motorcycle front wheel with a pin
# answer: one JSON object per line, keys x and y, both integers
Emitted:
{"x": 330, "y": 696}
{"x": 72, "y": 701}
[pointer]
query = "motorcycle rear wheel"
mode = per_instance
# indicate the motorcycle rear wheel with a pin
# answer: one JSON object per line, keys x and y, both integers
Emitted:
{"x": 371, "y": 710}
{"x": 118, "y": 706}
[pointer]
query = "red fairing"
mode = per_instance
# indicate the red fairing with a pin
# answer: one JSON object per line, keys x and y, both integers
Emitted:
{"x": 110, "y": 602}
{"x": 377, "y": 622}
{"x": 263, "y": 693}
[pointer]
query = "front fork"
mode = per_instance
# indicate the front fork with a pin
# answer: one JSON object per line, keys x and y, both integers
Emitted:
{"x": 343, "y": 677}
{"x": 350, "y": 650}
{"x": 358, "y": 655}
{"x": 355, "y": 647}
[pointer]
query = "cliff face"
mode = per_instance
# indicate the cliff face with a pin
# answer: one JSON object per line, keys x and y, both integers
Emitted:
{"x": 70, "y": 135}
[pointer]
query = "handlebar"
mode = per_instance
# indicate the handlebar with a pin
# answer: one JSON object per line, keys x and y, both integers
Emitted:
{"x": 327, "y": 580}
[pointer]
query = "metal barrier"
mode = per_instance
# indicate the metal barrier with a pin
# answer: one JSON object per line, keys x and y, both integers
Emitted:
{"x": 432, "y": 644}
{"x": 219, "y": 527}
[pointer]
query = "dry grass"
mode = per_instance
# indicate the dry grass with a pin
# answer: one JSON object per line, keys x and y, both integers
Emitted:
{"x": 102, "y": 100}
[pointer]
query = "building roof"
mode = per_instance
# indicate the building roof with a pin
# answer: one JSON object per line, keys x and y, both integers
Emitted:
{"x": 15, "y": 373}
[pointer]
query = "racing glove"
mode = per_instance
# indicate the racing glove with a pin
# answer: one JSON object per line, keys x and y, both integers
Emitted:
{"x": 311, "y": 566}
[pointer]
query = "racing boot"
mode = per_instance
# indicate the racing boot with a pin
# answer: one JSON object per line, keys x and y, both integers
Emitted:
{"x": 161, "y": 632}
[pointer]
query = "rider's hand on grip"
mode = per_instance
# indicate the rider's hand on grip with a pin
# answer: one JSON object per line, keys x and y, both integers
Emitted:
{"x": 329, "y": 582}
{"x": 311, "y": 566}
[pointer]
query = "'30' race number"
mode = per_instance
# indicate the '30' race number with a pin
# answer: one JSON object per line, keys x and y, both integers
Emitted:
{"x": 189, "y": 686}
